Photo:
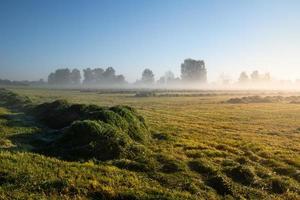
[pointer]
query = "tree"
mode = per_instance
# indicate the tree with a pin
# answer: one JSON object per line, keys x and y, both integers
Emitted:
{"x": 60, "y": 77}
{"x": 169, "y": 76}
{"x": 51, "y": 79}
{"x": 120, "y": 79}
{"x": 243, "y": 77}
{"x": 109, "y": 73}
{"x": 75, "y": 76}
{"x": 98, "y": 75}
{"x": 193, "y": 71}
{"x": 147, "y": 76}
{"x": 255, "y": 76}
{"x": 88, "y": 76}
{"x": 267, "y": 77}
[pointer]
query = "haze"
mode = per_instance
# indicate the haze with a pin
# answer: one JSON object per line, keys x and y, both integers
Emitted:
{"x": 38, "y": 37}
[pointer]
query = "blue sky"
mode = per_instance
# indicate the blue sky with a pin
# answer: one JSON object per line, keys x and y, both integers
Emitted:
{"x": 36, "y": 37}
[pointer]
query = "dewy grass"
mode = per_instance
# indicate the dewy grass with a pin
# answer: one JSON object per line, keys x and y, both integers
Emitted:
{"x": 191, "y": 146}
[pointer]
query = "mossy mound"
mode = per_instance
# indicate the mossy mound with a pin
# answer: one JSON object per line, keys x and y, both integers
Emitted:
{"x": 203, "y": 167}
{"x": 278, "y": 186}
{"x": 60, "y": 114}
{"x": 8, "y": 98}
{"x": 91, "y": 140}
{"x": 221, "y": 184}
{"x": 242, "y": 174}
{"x": 169, "y": 164}
{"x": 93, "y": 132}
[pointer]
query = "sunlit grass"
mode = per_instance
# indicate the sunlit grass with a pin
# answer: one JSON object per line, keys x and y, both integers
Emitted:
{"x": 201, "y": 148}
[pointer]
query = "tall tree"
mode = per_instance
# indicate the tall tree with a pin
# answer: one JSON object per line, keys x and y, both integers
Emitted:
{"x": 193, "y": 71}
{"x": 88, "y": 76}
{"x": 51, "y": 78}
{"x": 99, "y": 75}
{"x": 255, "y": 76}
{"x": 109, "y": 73}
{"x": 243, "y": 77}
{"x": 75, "y": 76}
{"x": 147, "y": 76}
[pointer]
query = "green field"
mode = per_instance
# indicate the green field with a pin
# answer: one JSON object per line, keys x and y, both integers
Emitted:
{"x": 200, "y": 147}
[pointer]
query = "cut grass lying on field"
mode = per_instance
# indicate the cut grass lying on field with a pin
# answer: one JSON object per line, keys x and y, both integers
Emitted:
{"x": 199, "y": 149}
{"x": 266, "y": 99}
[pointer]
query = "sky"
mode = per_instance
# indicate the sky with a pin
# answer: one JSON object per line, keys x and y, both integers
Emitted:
{"x": 37, "y": 37}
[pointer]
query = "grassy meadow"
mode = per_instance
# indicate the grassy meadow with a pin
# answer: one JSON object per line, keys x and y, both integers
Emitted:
{"x": 200, "y": 147}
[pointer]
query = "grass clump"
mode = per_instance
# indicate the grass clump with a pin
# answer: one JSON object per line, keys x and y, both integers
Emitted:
{"x": 203, "y": 166}
{"x": 60, "y": 114}
{"x": 93, "y": 132}
{"x": 278, "y": 186}
{"x": 11, "y": 99}
{"x": 242, "y": 174}
{"x": 221, "y": 184}
{"x": 91, "y": 139}
{"x": 169, "y": 164}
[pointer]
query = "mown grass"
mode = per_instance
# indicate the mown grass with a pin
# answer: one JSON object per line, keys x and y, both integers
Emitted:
{"x": 201, "y": 149}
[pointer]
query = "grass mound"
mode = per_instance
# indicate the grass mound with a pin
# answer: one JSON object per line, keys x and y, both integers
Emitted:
{"x": 91, "y": 140}
{"x": 266, "y": 99}
{"x": 60, "y": 114}
{"x": 93, "y": 132}
{"x": 11, "y": 99}
{"x": 203, "y": 167}
{"x": 169, "y": 164}
{"x": 242, "y": 174}
{"x": 145, "y": 94}
{"x": 278, "y": 186}
{"x": 251, "y": 99}
{"x": 221, "y": 184}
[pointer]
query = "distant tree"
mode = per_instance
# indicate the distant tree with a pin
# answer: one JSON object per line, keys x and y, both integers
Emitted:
{"x": 120, "y": 79}
{"x": 267, "y": 77}
{"x": 255, "y": 76}
{"x": 60, "y": 77}
{"x": 161, "y": 80}
{"x": 75, "y": 76}
{"x": 147, "y": 77}
{"x": 51, "y": 79}
{"x": 243, "y": 77}
{"x": 169, "y": 76}
{"x": 98, "y": 75}
{"x": 193, "y": 71}
{"x": 109, "y": 73}
{"x": 88, "y": 76}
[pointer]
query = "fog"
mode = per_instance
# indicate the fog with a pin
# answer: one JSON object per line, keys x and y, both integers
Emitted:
{"x": 193, "y": 76}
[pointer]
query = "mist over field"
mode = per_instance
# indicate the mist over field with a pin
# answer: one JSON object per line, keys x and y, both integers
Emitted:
{"x": 150, "y": 100}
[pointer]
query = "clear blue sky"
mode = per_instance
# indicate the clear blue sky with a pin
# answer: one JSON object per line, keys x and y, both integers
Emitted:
{"x": 38, "y": 36}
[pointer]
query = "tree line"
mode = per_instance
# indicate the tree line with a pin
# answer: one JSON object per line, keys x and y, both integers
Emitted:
{"x": 90, "y": 76}
{"x": 191, "y": 71}
{"x": 254, "y": 77}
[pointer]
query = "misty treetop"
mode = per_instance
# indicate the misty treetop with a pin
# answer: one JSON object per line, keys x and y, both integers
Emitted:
{"x": 101, "y": 76}
{"x": 193, "y": 71}
{"x": 90, "y": 77}
{"x": 64, "y": 77}
{"x": 254, "y": 77}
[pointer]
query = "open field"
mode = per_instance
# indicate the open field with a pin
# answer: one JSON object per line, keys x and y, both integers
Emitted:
{"x": 200, "y": 147}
